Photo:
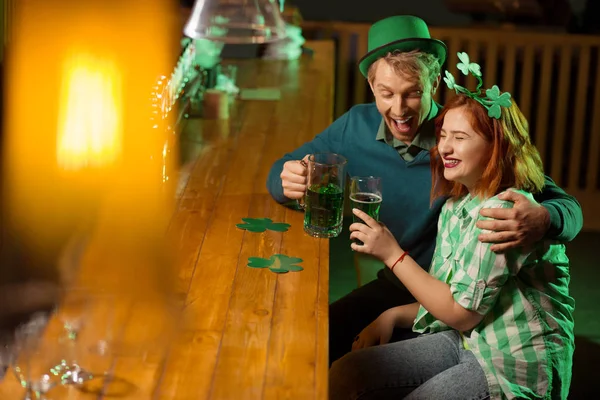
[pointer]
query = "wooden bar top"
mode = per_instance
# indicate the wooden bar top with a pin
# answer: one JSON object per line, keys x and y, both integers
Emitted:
{"x": 246, "y": 333}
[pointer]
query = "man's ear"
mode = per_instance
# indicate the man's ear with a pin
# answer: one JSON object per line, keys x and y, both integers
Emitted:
{"x": 372, "y": 81}
{"x": 436, "y": 84}
{"x": 371, "y": 85}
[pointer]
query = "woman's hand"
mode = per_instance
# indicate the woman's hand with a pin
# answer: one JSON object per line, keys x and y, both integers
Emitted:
{"x": 376, "y": 237}
{"x": 377, "y": 332}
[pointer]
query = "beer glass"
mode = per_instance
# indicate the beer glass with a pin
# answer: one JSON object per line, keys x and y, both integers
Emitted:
{"x": 365, "y": 194}
{"x": 324, "y": 199}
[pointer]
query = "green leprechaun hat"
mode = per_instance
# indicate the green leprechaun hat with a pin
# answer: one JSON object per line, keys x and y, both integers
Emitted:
{"x": 400, "y": 32}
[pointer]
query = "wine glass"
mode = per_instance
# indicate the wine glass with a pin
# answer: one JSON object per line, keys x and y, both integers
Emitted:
{"x": 86, "y": 319}
{"x": 34, "y": 357}
{"x": 97, "y": 336}
{"x": 72, "y": 312}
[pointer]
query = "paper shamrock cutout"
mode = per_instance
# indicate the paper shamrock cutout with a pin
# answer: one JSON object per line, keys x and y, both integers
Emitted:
{"x": 278, "y": 263}
{"x": 262, "y": 224}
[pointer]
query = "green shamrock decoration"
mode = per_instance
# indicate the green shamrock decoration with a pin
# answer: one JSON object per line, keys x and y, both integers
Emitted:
{"x": 262, "y": 224}
{"x": 492, "y": 101}
{"x": 466, "y": 65}
{"x": 449, "y": 79}
{"x": 497, "y": 100}
{"x": 278, "y": 263}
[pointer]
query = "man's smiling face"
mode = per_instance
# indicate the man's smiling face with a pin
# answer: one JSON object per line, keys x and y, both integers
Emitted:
{"x": 403, "y": 101}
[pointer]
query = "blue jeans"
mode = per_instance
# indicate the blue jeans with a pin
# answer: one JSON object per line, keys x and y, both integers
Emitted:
{"x": 433, "y": 366}
{"x": 350, "y": 314}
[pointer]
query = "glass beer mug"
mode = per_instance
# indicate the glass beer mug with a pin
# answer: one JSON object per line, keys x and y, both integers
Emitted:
{"x": 324, "y": 199}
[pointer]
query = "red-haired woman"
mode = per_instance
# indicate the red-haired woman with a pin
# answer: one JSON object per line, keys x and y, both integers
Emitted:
{"x": 495, "y": 325}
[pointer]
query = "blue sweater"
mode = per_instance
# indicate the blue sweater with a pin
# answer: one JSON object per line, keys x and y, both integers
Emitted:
{"x": 406, "y": 186}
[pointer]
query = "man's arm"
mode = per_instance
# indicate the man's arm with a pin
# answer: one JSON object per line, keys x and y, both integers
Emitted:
{"x": 566, "y": 217}
{"x": 558, "y": 217}
{"x": 328, "y": 141}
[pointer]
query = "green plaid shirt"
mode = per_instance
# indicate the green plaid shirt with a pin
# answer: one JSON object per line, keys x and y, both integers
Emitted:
{"x": 525, "y": 341}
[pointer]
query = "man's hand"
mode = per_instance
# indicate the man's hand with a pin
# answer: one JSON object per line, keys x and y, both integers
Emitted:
{"x": 524, "y": 224}
{"x": 293, "y": 178}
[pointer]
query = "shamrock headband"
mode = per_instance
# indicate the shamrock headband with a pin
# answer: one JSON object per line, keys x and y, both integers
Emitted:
{"x": 492, "y": 100}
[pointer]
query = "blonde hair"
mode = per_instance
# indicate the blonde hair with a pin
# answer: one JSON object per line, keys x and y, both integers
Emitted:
{"x": 423, "y": 66}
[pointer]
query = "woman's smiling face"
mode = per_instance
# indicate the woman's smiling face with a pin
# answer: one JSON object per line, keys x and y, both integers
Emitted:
{"x": 464, "y": 152}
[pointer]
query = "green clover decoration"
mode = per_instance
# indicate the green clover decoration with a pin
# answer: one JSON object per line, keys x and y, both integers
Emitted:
{"x": 466, "y": 65}
{"x": 278, "y": 263}
{"x": 449, "y": 79}
{"x": 262, "y": 224}
{"x": 497, "y": 100}
{"x": 492, "y": 100}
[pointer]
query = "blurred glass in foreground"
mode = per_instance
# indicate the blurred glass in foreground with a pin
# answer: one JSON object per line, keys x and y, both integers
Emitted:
{"x": 87, "y": 156}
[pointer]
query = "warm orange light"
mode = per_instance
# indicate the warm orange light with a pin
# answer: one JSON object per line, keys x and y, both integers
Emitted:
{"x": 90, "y": 129}
{"x": 80, "y": 147}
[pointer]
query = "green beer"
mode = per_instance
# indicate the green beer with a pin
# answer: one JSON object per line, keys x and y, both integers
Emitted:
{"x": 369, "y": 203}
{"x": 324, "y": 206}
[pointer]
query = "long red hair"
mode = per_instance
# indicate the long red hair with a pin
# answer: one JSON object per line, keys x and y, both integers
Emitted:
{"x": 514, "y": 160}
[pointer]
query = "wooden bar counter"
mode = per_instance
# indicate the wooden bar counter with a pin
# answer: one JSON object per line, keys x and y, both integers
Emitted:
{"x": 247, "y": 333}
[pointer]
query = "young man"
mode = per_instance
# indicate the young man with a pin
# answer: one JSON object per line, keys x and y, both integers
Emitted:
{"x": 391, "y": 138}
